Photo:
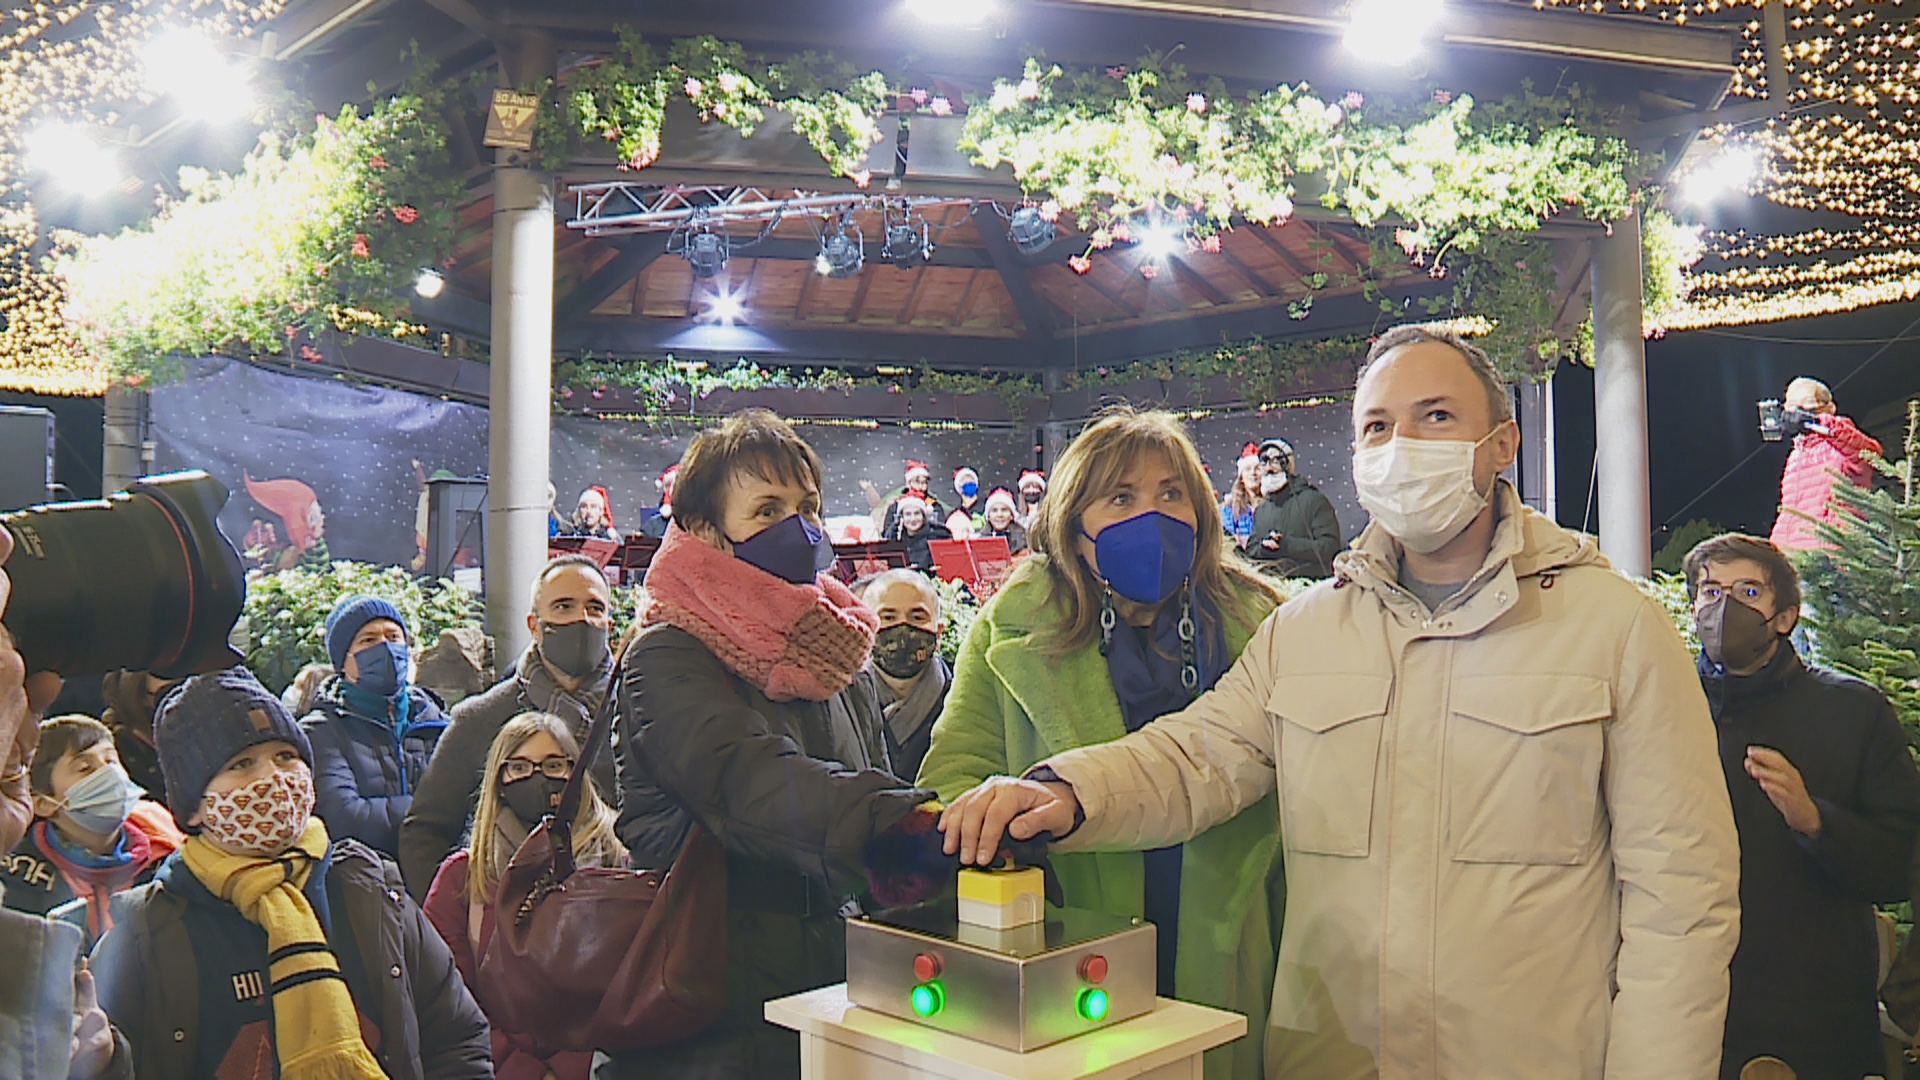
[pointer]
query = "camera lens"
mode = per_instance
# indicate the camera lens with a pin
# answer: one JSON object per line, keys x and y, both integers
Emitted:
{"x": 142, "y": 580}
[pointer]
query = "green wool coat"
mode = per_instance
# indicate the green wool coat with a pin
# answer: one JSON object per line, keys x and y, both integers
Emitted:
{"x": 1012, "y": 705}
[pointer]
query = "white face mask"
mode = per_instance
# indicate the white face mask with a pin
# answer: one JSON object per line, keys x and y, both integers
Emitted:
{"x": 1420, "y": 490}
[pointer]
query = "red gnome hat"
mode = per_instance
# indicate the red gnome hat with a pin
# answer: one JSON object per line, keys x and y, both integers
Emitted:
{"x": 290, "y": 499}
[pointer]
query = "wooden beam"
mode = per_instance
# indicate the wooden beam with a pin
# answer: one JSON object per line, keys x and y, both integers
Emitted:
{"x": 470, "y": 16}
{"x": 1281, "y": 252}
{"x": 1260, "y": 284}
{"x": 860, "y": 294}
{"x": 806, "y": 293}
{"x": 634, "y": 255}
{"x": 914, "y": 293}
{"x": 1197, "y": 281}
{"x": 966, "y": 300}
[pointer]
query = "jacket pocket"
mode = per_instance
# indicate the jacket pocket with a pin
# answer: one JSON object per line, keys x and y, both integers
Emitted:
{"x": 1523, "y": 768}
{"x": 1330, "y": 729}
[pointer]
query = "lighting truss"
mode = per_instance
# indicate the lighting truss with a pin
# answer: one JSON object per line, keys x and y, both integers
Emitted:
{"x": 620, "y": 207}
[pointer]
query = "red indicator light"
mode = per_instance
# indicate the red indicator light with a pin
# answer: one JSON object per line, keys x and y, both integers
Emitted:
{"x": 1094, "y": 969}
{"x": 926, "y": 967}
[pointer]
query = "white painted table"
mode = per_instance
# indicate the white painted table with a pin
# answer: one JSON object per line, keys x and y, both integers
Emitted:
{"x": 841, "y": 1041}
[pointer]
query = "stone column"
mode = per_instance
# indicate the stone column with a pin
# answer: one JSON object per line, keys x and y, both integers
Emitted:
{"x": 124, "y": 456}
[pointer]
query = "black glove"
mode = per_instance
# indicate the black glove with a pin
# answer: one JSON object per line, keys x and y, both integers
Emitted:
{"x": 1801, "y": 420}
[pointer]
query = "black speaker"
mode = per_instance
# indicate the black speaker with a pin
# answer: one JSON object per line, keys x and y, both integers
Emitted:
{"x": 456, "y": 526}
{"x": 26, "y": 456}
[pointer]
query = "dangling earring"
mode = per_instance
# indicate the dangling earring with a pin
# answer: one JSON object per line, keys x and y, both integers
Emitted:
{"x": 1107, "y": 619}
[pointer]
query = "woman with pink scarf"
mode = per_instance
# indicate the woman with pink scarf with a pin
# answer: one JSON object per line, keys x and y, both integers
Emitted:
{"x": 746, "y": 705}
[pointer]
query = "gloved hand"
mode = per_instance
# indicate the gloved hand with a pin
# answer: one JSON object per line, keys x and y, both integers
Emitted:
{"x": 905, "y": 864}
{"x": 1803, "y": 420}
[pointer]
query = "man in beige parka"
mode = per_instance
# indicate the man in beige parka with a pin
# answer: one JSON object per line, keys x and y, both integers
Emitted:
{"x": 1509, "y": 851}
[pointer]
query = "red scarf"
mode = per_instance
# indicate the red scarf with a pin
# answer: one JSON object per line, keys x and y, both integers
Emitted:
{"x": 790, "y": 641}
{"x": 97, "y": 884}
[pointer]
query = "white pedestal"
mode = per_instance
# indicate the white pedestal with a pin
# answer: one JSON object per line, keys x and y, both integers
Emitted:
{"x": 840, "y": 1041}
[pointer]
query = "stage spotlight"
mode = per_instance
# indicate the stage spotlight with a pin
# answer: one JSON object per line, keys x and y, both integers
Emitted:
{"x": 1733, "y": 169}
{"x": 1030, "y": 232}
{"x": 65, "y": 153}
{"x": 907, "y": 247}
{"x": 186, "y": 66}
{"x": 725, "y": 308}
{"x": 1391, "y": 31}
{"x": 953, "y": 12}
{"x": 840, "y": 256}
{"x": 429, "y": 283}
{"x": 1158, "y": 242}
{"x": 707, "y": 254}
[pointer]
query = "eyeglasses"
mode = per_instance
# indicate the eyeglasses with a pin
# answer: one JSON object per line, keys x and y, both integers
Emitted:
{"x": 1271, "y": 459}
{"x": 553, "y": 768}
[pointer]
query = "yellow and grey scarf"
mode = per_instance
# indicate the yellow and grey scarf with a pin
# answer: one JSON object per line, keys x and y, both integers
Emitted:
{"x": 316, "y": 1030}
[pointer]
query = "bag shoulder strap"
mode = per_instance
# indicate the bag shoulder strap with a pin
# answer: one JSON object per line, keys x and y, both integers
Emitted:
{"x": 599, "y": 735}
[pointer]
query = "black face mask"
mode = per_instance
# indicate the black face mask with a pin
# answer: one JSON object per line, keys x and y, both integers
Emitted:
{"x": 1732, "y": 634}
{"x": 576, "y": 648}
{"x": 533, "y": 797}
{"x": 904, "y": 651}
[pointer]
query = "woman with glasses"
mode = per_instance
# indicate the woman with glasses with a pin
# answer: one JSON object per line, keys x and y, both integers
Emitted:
{"x": 527, "y": 769}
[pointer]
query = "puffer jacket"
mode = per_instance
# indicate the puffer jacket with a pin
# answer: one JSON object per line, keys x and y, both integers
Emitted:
{"x": 1806, "y": 487}
{"x": 793, "y": 790}
{"x": 399, "y": 972}
{"x": 364, "y": 771}
{"x": 444, "y": 798}
{"x": 1308, "y": 527}
{"x": 1509, "y": 848}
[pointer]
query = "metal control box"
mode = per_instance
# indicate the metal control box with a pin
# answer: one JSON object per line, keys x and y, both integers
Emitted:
{"x": 1019, "y": 989}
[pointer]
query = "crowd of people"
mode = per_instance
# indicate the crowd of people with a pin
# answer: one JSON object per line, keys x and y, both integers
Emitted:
{"x": 1467, "y": 809}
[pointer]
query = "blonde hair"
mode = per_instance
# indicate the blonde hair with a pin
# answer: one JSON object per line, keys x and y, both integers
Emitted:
{"x": 594, "y": 842}
{"x": 1239, "y": 495}
{"x": 1090, "y": 467}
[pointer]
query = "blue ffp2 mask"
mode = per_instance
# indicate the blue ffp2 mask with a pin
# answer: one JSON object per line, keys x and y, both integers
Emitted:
{"x": 383, "y": 668}
{"x": 1145, "y": 558}
{"x": 794, "y": 550}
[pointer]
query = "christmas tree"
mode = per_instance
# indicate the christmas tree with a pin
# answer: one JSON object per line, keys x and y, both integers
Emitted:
{"x": 1865, "y": 593}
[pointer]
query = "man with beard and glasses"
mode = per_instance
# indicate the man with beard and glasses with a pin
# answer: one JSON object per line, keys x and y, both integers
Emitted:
{"x": 565, "y": 673}
{"x": 1296, "y": 533}
{"x": 1827, "y": 802}
{"x": 1509, "y": 852}
{"x": 912, "y": 674}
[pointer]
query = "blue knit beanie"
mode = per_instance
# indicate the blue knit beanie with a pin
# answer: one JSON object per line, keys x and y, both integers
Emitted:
{"x": 206, "y": 720}
{"x": 349, "y": 615}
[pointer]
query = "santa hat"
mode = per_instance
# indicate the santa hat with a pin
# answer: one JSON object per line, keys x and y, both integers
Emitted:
{"x": 665, "y": 484}
{"x": 606, "y": 504}
{"x": 961, "y": 476}
{"x": 909, "y": 502}
{"x": 917, "y": 467}
{"x": 1002, "y": 497}
{"x": 1036, "y": 474}
{"x": 291, "y": 500}
{"x": 1251, "y": 450}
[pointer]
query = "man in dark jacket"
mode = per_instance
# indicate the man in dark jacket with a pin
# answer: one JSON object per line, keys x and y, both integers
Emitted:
{"x": 565, "y": 673}
{"x": 1295, "y": 530}
{"x": 1827, "y": 802}
{"x": 910, "y": 674}
{"x": 188, "y": 974}
{"x": 372, "y": 729}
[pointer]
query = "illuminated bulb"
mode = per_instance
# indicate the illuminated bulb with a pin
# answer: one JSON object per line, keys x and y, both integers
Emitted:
{"x": 1390, "y": 31}
{"x": 952, "y": 12}
{"x": 1159, "y": 242}
{"x": 1731, "y": 170}
{"x": 429, "y": 283}
{"x": 67, "y": 154}
{"x": 184, "y": 65}
{"x": 725, "y": 309}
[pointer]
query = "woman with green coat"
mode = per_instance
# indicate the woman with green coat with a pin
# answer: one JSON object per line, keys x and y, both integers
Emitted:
{"x": 1129, "y": 608}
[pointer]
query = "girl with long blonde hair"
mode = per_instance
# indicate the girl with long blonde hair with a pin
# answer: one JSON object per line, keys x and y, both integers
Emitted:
{"x": 1132, "y": 605}
{"x": 528, "y": 767}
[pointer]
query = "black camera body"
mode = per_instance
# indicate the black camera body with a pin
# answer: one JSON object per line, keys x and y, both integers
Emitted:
{"x": 142, "y": 580}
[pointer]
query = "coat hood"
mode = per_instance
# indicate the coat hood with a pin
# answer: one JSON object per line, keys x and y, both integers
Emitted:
{"x": 1524, "y": 539}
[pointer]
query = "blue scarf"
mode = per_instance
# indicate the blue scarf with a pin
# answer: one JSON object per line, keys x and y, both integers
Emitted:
{"x": 395, "y": 712}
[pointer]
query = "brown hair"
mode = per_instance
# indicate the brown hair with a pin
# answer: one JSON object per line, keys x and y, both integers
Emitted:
{"x": 1091, "y": 466}
{"x": 1499, "y": 401}
{"x": 752, "y": 440}
{"x": 1781, "y": 576}
{"x": 60, "y": 736}
{"x": 594, "y": 842}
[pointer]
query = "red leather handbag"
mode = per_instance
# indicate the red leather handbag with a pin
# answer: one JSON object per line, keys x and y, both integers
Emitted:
{"x": 599, "y": 959}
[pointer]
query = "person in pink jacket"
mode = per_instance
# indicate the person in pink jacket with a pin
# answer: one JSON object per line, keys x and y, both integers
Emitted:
{"x": 1827, "y": 449}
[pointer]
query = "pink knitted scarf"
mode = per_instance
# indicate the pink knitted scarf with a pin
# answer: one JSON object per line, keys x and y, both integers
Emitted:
{"x": 791, "y": 641}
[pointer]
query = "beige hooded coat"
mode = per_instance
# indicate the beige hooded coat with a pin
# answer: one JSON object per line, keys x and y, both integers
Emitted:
{"x": 1508, "y": 844}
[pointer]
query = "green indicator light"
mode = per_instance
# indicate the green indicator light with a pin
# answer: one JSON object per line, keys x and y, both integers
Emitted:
{"x": 1092, "y": 1004}
{"x": 928, "y": 999}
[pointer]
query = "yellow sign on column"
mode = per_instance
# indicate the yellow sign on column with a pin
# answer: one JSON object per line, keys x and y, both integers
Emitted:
{"x": 510, "y": 120}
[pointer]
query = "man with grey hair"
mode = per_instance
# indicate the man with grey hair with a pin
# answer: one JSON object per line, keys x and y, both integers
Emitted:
{"x": 1827, "y": 450}
{"x": 911, "y": 673}
{"x": 1510, "y": 852}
